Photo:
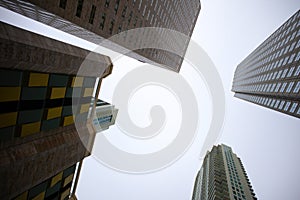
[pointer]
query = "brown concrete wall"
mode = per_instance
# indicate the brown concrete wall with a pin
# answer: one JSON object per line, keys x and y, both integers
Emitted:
{"x": 24, "y": 50}
{"x": 180, "y": 16}
{"x": 26, "y": 164}
{"x": 27, "y": 161}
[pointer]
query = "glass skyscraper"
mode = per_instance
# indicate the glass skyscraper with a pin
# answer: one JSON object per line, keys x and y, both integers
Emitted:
{"x": 270, "y": 75}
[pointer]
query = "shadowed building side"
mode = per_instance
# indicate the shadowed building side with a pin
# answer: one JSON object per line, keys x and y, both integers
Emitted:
{"x": 96, "y": 21}
{"x": 43, "y": 95}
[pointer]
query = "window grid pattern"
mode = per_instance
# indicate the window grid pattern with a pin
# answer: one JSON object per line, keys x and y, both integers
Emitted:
{"x": 56, "y": 187}
{"x": 290, "y": 107}
{"x": 222, "y": 176}
{"x": 237, "y": 187}
{"x": 96, "y": 20}
{"x": 38, "y": 102}
{"x": 272, "y": 70}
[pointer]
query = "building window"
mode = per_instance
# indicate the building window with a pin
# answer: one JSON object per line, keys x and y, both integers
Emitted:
{"x": 274, "y": 75}
{"x": 62, "y": 4}
{"x": 293, "y": 46}
{"x": 297, "y": 71}
{"x": 298, "y": 44}
{"x": 277, "y": 87}
{"x": 291, "y": 58}
{"x": 291, "y": 72}
{"x": 293, "y": 108}
{"x": 273, "y": 102}
{"x": 79, "y": 8}
{"x": 284, "y": 73}
{"x": 277, "y": 102}
{"x": 106, "y": 3}
{"x": 298, "y": 112}
{"x": 140, "y": 5}
{"x": 297, "y": 88}
{"x": 124, "y": 11}
{"x": 120, "y": 29}
{"x": 130, "y": 17}
{"x": 144, "y": 11}
{"x": 287, "y": 105}
{"x": 290, "y": 87}
{"x": 283, "y": 87}
{"x": 102, "y": 21}
{"x": 135, "y": 21}
{"x": 151, "y": 19}
{"x": 281, "y": 105}
{"x": 103, "y": 120}
{"x": 117, "y": 6}
{"x": 92, "y": 15}
{"x": 273, "y": 87}
{"x": 298, "y": 57}
{"x": 112, "y": 23}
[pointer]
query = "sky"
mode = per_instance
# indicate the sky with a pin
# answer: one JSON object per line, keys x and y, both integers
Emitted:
{"x": 265, "y": 140}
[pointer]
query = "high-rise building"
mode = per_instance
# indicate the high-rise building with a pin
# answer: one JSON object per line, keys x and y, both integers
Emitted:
{"x": 222, "y": 176}
{"x": 45, "y": 129}
{"x": 96, "y": 20}
{"x": 105, "y": 115}
{"x": 270, "y": 75}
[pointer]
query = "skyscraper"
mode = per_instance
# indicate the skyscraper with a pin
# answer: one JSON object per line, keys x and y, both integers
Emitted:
{"x": 45, "y": 130}
{"x": 105, "y": 115}
{"x": 270, "y": 75}
{"x": 95, "y": 21}
{"x": 222, "y": 176}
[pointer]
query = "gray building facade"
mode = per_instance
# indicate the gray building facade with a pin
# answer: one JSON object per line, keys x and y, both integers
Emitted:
{"x": 95, "y": 21}
{"x": 223, "y": 177}
{"x": 270, "y": 75}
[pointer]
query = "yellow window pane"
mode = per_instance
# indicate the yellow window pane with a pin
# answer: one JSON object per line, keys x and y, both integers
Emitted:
{"x": 77, "y": 81}
{"x": 28, "y": 129}
{"x": 38, "y": 79}
{"x": 9, "y": 93}
{"x": 8, "y": 119}
{"x": 54, "y": 112}
{"x": 39, "y": 197}
{"x": 65, "y": 194}
{"x": 88, "y": 92}
{"x": 84, "y": 108}
{"x": 58, "y": 93}
{"x": 68, "y": 120}
{"x": 56, "y": 179}
{"x": 23, "y": 196}
{"x": 68, "y": 180}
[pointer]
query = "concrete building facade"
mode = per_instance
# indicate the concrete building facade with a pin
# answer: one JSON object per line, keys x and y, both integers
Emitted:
{"x": 270, "y": 75}
{"x": 96, "y": 21}
{"x": 222, "y": 176}
{"x": 45, "y": 131}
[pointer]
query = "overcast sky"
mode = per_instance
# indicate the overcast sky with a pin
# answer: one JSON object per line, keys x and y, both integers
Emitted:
{"x": 266, "y": 141}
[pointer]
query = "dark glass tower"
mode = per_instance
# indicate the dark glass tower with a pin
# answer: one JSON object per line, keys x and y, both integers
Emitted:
{"x": 95, "y": 20}
{"x": 270, "y": 75}
{"x": 222, "y": 176}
